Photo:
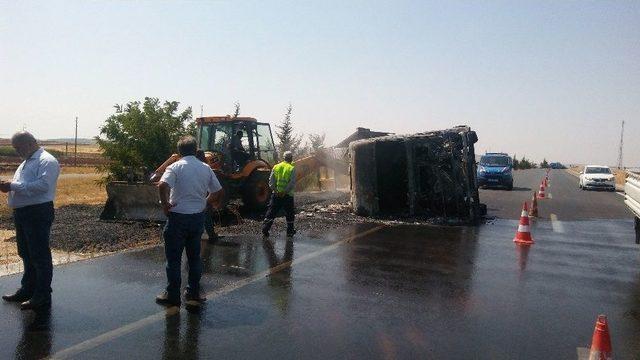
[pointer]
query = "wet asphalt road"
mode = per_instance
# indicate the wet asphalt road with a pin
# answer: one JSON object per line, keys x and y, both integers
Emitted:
{"x": 362, "y": 292}
{"x": 567, "y": 201}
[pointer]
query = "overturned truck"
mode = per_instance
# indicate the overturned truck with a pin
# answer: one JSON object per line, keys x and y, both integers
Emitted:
{"x": 430, "y": 174}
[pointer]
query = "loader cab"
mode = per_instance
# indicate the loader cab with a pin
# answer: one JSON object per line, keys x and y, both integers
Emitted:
{"x": 236, "y": 141}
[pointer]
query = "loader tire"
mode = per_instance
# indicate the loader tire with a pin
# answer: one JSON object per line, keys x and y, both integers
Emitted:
{"x": 256, "y": 192}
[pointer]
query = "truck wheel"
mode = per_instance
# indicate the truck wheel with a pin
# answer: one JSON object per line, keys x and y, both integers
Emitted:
{"x": 255, "y": 191}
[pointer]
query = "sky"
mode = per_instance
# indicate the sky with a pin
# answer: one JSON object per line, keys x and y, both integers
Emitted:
{"x": 541, "y": 79}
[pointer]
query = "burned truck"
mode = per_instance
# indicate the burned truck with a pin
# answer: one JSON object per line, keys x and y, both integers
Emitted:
{"x": 431, "y": 174}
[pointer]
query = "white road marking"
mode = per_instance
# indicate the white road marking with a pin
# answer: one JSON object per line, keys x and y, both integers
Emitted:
{"x": 137, "y": 325}
{"x": 550, "y": 196}
{"x": 556, "y": 225}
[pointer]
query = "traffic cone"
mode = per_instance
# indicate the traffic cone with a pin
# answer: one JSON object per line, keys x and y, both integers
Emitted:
{"x": 601, "y": 342}
{"x": 541, "y": 192}
{"x": 533, "y": 212}
{"x": 523, "y": 234}
{"x": 546, "y": 181}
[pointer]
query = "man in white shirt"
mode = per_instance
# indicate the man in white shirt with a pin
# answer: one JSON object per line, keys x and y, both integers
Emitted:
{"x": 185, "y": 189}
{"x": 31, "y": 195}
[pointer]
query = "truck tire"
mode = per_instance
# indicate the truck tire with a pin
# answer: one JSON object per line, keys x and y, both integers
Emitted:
{"x": 255, "y": 191}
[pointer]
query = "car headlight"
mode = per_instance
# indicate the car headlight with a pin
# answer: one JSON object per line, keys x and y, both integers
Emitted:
{"x": 612, "y": 178}
{"x": 481, "y": 169}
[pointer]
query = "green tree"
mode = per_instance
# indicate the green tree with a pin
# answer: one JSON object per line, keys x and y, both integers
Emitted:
{"x": 236, "y": 109}
{"x": 544, "y": 164}
{"x": 316, "y": 142}
{"x": 516, "y": 162}
{"x": 138, "y": 137}
{"x": 287, "y": 140}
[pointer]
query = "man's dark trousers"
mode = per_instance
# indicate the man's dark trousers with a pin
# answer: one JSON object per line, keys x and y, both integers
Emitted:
{"x": 33, "y": 225}
{"x": 183, "y": 231}
{"x": 280, "y": 202}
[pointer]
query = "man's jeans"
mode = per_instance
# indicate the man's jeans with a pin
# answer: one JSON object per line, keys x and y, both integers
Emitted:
{"x": 33, "y": 224}
{"x": 183, "y": 231}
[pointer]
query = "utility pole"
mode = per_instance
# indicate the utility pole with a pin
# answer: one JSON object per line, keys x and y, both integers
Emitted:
{"x": 75, "y": 151}
{"x": 621, "y": 147}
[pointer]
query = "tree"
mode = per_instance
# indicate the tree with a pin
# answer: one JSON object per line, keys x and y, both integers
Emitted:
{"x": 316, "y": 142}
{"x": 544, "y": 164}
{"x": 525, "y": 163}
{"x": 236, "y": 111}
{"x": 516, "y": 163}
{"x": 287, "y": 140}
{"x": 136, "y": 138}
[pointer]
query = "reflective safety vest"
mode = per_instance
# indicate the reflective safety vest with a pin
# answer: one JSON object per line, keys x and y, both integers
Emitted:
{"x": 282, "y": 174}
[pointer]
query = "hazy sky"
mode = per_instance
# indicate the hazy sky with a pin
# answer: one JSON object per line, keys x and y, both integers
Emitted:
{"x": 543, "y": 79}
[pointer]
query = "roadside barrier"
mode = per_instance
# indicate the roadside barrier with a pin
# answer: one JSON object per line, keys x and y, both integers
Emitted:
{"x": 533, "y": 212}
{"x": 523, "y": 234}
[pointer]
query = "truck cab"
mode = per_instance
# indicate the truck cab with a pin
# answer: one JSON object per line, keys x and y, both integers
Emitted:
{"x": 495, "y": 170}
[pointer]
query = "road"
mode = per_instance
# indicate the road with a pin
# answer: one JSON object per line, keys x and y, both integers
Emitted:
{"x": 367, "y": 291}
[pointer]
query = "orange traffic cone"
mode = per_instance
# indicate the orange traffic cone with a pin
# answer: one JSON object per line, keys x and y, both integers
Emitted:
{"x": 523, "y": 235}
{"x": 601, "y": 342}
{"x": 533, "y": 212}
{"x": 541, "y": 192}
{"x": 546, "y": 182}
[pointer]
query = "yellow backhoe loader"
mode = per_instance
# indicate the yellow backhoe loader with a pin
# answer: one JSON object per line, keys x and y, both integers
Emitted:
{"x": 241, "y": 152}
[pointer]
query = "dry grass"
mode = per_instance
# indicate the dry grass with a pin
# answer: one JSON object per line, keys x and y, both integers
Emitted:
{"x": 621, "y": 175}
{"x": 78, "y": 170}
{"x": 71, "y": 190}
{"x": 82, "y": 148}
{"x": 63, "y": 170}
{"x": 80, "y": 190}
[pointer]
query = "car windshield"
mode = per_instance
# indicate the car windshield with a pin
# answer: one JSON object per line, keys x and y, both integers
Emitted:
{"x": 597, "y": 170}
{"x": 495, "y": 161}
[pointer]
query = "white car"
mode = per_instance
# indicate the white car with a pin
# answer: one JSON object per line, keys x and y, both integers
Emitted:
{"x": 597, "y": 177}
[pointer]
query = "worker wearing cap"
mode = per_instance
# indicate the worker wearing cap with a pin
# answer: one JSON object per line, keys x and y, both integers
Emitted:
{"x": 282, "y": 182}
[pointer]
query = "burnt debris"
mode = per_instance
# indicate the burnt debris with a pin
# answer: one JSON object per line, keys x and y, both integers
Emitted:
{"x": 430, "y": 174}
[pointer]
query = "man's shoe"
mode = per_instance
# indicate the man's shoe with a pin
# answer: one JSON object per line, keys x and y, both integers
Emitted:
{"x": 193, "y": 299}
{"x": 34, "y": 304}
{"x": 165, "y": 300}
{"x": 18, "y": 296}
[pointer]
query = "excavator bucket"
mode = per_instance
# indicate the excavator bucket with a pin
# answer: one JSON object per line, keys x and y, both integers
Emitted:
{"x": 132, "y": 201}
